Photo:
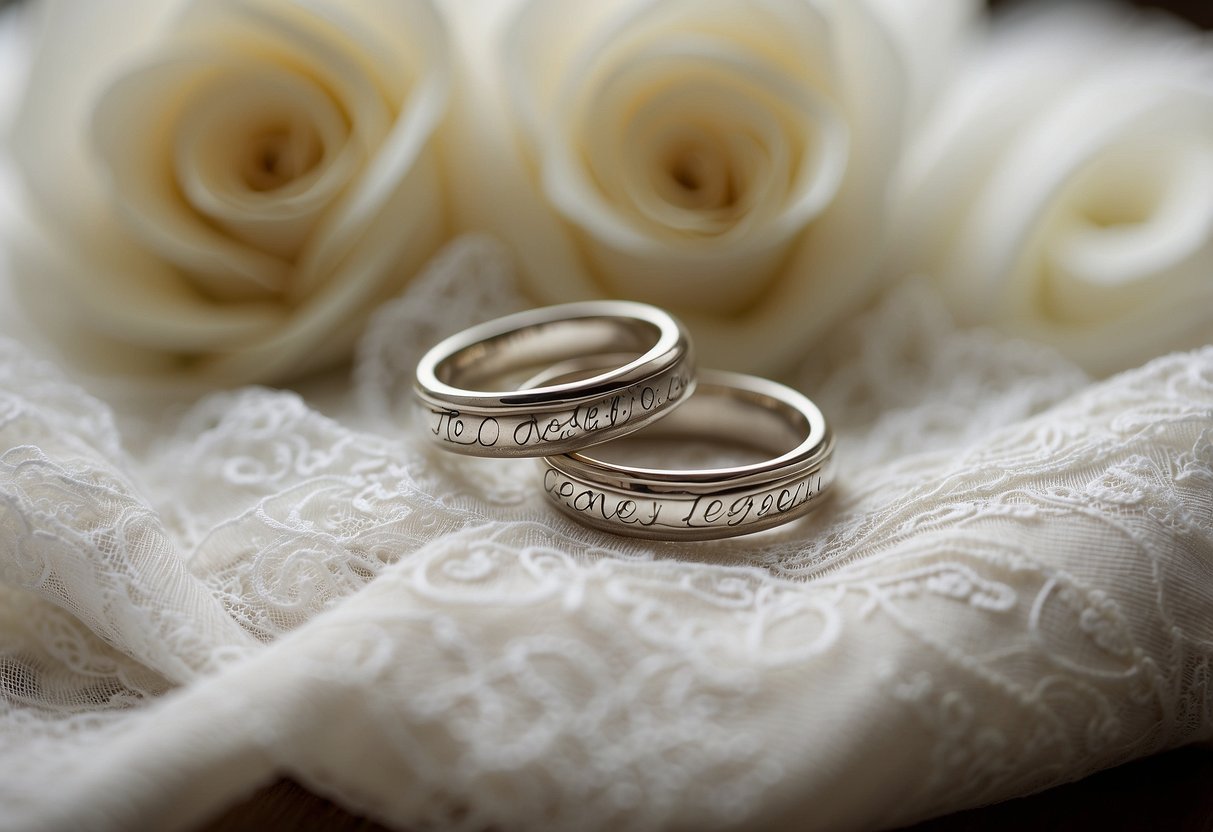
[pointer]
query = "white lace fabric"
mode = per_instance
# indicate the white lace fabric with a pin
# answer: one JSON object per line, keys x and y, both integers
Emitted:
{"x": 1012, "y": 587}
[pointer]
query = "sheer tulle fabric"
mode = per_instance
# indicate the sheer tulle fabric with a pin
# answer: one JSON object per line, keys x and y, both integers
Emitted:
{"x": 1010, "y": 589}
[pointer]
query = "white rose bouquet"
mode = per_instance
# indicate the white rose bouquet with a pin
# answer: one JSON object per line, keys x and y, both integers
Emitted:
{"x": 228, "y": 188}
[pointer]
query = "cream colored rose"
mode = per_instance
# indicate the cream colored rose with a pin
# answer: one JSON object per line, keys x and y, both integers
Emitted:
{"x": 727, "y": 159}
{"x": 1064, "y": 189}
{"x": 229, "y": 187}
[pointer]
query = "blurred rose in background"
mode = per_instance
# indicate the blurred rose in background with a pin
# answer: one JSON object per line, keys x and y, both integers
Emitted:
{"x": 228, "y": 188}
{"x": 225, "y": 190}
{"x": 730, "y": 161}
{"x": 1063, "y": 190}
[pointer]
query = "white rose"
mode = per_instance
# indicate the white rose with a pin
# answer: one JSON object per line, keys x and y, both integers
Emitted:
{"x": 726, "y": 159}
{"x": 1064, "y": 189}
{"x": 229, "y": 187}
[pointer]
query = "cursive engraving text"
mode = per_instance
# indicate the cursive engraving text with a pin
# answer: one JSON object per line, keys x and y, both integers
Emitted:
{"x": 537, "y": 429}
{"x": 761, "y": 507}
{"x": 585, "y": 499}
{"x": 452, "y": 426}
{"x": 705, "y": 512}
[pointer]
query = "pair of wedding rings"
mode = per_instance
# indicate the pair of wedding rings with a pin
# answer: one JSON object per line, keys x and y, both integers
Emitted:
{"x": 553, "y": 382}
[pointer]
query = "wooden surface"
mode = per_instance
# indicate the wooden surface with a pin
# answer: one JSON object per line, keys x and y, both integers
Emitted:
{"x": 1171, "y": 793}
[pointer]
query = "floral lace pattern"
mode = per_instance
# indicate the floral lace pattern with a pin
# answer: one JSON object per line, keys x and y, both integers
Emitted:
{"x": 1010, "y": 588}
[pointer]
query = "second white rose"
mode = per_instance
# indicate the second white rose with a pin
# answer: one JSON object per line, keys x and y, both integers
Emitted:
{"x": 1063, "y": 190}
{"x": 728, "y": 160}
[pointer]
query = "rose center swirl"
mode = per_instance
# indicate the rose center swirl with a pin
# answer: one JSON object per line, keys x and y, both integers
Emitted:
{"x": 280, "y": 154}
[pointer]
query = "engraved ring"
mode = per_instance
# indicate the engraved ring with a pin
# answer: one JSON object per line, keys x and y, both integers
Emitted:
{"x": 655, "y": 371}
{"x": 701, "y": 504}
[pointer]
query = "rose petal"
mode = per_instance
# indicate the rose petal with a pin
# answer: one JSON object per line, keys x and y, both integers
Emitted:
{"x": 491, "y": 185}
{"x": 138, "y": 300}
{"x": 832, "y": 269}
{"x": 393, "y": 220}
{"x": 80, "y": 48}
{"x": 299, "y": 35}
{"x": 406, "y": 37}
{"x": 695, "y": 181}
{"x": 552, "y": 45}
{"x": 259, "y": 117}
{"x": 704, "y": 83}
{"x": 836, "y": 47}
{"x": 541, "y": 39}
{"x": 708, "y": 82}
{"x": 930, "y": 35}
{"x": 290, "y": 34}
{"x": 635, "y": 124}
{"x": 140, "y": 164}
{"x": 1021, "y": 196}
{"x": 831, "y": 266}
{"x": 1064, "y": 191}
{"x": 324, "y": 328}
{"x": 1144, "y": 228}
{"x": 1013, "y": 78}
{"x": 359, "y": 77}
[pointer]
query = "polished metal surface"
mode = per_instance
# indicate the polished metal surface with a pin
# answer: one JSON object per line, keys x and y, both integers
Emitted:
{"x": 699, "y": 504}
{"x": 474, "y": 401}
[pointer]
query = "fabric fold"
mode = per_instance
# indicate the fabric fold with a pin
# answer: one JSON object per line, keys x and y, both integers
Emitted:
{"x": 979, "y": 613}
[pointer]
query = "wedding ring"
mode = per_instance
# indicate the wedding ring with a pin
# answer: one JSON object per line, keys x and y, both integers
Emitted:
{"x": 654, "y": 373}
{"x": 700, "y": 504}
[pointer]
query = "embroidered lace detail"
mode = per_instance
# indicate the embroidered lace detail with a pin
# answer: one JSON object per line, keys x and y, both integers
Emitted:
{"x": 1010, "y": 588}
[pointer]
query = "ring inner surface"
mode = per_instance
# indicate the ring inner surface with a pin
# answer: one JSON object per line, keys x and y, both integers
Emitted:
{"x": 505, "y": 361}
{"x": 716, "y": 427}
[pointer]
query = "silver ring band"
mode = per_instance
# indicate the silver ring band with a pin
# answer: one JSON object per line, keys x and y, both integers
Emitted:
{"x": 709, "y": 503}
{"x": 655, "y": 373}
